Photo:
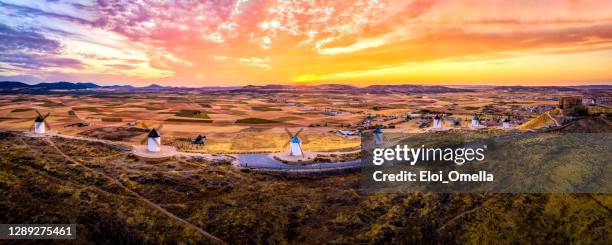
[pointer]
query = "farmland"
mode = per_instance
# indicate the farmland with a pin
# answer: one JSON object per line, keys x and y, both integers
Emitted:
{"x": 253, "y": 120}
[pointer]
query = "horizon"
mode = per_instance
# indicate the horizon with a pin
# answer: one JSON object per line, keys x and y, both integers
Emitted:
{"x": 311, "y": 84}
{"x": 361, "y": 43}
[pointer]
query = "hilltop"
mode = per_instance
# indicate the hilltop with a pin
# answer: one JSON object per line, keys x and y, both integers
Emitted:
{"x": 47, "y": 86}
{"x": 549, "y": 118}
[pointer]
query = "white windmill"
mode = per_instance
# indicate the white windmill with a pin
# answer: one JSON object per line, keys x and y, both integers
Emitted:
{"x": 295, "y": 148}
{"x": 506, "y": 123}
{"x": 378, "y": 136}
{"x": 437, "y": 121}
{"x": 153, "y": 139}
{"x": 475, "y": 121}
{"x": 39, "y": 123}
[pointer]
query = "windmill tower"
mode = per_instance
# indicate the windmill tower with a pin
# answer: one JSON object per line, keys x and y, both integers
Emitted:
{"x": 295, "y": 143}
{"x": 506, "y": 123}
{"x": 39, "y": 123}
{"x": 153, "y": 139}
{"x": 437, "y": 121}
{"x": 200, "y": 140}
{"x": 475, "y": 121}
{"x": 378, "y": 136}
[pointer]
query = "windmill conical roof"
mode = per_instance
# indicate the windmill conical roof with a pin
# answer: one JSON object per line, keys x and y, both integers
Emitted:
{"x": 295, "y": 139}
{"x": 154, "y": 134}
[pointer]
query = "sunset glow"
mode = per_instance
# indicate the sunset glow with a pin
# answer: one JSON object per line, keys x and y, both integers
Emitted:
{"x": 357, "y": 42}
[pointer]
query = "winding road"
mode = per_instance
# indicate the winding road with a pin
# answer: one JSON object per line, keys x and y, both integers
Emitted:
{"x": 264, "y": 161}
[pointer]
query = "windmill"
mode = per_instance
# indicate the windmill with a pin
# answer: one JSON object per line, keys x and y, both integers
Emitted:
{"x": 153, "y": 138}
{"x": 506, "y": 122}
{"x": 437, "y": 121}
{"x": 475, "y": 121}
{"x": 200, "y": 140}
{"x": 378, "y": 136}
{"x": 295, "y": 143}
{"x": 39, "y": 123}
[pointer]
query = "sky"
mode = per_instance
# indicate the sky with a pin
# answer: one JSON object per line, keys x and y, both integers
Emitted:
{"x": 359, "y": 42}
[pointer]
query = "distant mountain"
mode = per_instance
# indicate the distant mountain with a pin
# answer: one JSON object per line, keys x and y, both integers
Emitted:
{"x": 593, "y": 86}
{"x": 374, "y": 89}
{"x": 409, "y": 88}
{"x": 6, "y": 85}
{"x": 534, "y": 88}
{"x": 336, "y": 87}
{"x": 269, "y": 87}
{"x": 65, "y": 85}
{"x": 154, "y": 86}
{"x": 266, "y": 88}
{"x": 119, "y": 87}
{"x": 12, "y": 85}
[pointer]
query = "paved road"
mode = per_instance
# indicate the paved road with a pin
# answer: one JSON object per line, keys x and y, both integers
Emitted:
{"x": 264, "y": 161}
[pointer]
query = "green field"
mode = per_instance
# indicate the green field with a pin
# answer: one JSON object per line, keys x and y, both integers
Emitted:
{"x": 192, "y": 113}
{"x": 112, "y": 119}
{"x": 188, "y": 120}
{"x": 22, "y": 109}
{"x": 255, "y": 120}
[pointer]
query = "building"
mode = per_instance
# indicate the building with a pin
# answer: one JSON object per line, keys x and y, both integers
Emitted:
{"x": 39, "y": 125}
{"x": 295, "y": 148}
{"x": 589, "y": 101}
{"x": 200, "y": 140}
{"x": 437, "y": 122}
{"x": 506, "y": 123}
{"x": 154, "y": 141}
{"x": 475, "y": 121}
{"x": 378, "y": 136}
{"x": 348, "y": 132}
{"x": 569, "y": 105}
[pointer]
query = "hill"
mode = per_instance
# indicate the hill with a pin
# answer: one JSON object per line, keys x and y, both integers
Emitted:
{"x": 65, "y": 85}
{"x": 12, "y": 85}
{"x": 106, "y": 196}
{"x": 589, "y": 125}
{"x": 6, "y": 85}
{"x": 381, "y": 89}
{"x": 548, "y": 118}
{"x": 534, "y": 88}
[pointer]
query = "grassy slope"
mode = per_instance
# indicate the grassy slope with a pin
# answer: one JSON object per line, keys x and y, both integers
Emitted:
{"x": 251, "y": 208}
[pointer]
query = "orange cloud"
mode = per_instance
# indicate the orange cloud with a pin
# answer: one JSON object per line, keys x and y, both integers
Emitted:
{"x": 359, "y": 41}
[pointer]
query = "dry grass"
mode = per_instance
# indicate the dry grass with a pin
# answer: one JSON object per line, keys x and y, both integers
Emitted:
{"x": 241, "y": 207}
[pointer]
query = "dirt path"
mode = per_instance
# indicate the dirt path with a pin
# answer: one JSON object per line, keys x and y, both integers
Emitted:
{"x": 553, "y": 118}
{"x": 138, "y": 196}
{"x": 462, "y": 214}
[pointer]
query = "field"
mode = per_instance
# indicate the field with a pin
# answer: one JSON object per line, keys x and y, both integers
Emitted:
{"x": 236, "y": 122}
